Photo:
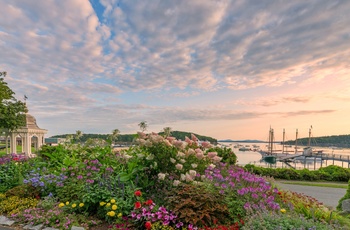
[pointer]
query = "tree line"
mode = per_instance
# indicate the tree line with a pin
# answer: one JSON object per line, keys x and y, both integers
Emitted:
{"x": 130, "y": 138}
{"x": 341, "y": 141}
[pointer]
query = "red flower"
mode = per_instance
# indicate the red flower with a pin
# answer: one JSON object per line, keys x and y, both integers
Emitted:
{"x": 16, "y": 159}
{"x": 148, "y": 225}
{"x": 137, "y": 204}
{"x": 149, "y": 202}
{"x": 138, "y": 193}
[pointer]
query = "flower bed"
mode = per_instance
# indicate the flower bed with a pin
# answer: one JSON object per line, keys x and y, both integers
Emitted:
{"x": 162, "y": 183}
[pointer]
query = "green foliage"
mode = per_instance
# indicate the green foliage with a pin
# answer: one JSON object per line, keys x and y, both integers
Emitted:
{"x": 180, "y": 135}
{"x": 197, "y": 205}
{"x": 12, "y": 111}
{"x": 342, "y": 141}
{"x": 272, "y": 221}
{"x": 305, "y": 205}
{"x": 329, "y": 173}
{"x": 228, "y": 156}
{"x": 130, "y": 138}
{"x": 14, "y": 204}
{"x": 23, "y": 191}
{"x": 345, "y": 197}
{"x": 10, "y": 176}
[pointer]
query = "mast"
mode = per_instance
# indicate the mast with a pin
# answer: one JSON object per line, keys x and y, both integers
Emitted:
{"x": 284, "y": 134}
{"x": 296, "y": 142}
{"x": 271, "y": 141}
{"x": 309, "y": 143}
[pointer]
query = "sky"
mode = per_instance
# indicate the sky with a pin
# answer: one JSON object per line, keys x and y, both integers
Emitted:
{"x": 220, "y": 68}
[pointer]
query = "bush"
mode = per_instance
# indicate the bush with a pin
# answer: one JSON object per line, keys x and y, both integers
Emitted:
{"x": 273, "y": 221}
{"x": 228, "y": 156}
{"x": 198, "y": 205}
{"x": 345, "y": 197}
{"x": 23, "y": 191}
{"x": 14, "y": 205}
{"x": 9, "y": 176}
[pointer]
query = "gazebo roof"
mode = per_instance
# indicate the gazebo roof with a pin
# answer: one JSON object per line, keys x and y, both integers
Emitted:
{"x": 30, "y": 122}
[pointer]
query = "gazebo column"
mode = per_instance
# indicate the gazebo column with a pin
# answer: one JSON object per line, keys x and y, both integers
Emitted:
{"x": 7, "y": 143}
{"x": 13, "y": 147}
{"x": 27, "y": 142}
{"x": 22, "y": 141}
{"x": 40, "y": 143}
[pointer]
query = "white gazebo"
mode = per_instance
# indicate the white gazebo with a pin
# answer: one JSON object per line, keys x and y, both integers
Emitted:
{"x": 27, "y": 135}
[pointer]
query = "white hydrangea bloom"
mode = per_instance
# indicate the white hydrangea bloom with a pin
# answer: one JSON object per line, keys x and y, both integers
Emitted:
{"x": 179, "y": 166}
{"x": 161, "y": 176}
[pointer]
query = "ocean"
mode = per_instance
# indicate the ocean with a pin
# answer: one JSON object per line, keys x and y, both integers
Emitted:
{"x": 254, "y": 157}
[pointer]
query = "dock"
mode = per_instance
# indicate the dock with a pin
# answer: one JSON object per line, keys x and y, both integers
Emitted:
{"x": 285, "y": 158}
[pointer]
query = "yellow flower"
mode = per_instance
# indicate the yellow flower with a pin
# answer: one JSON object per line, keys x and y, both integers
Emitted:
{"x": 74, "y": 205}
{"x": 102, "y": 203}
{"x": 108, "y": 204}
{"x": 81, "y": 204}
{"x": 67, "y": 203}
{"x": 61, "y": 205}
{"x": 111, "y": 213}
{"x": 283, "y": 210}
{"x": 114, "y": 207}
{"x": 113, "y": 201}
{"x": 108, "y": 213}
{"x": 120, "y": 214}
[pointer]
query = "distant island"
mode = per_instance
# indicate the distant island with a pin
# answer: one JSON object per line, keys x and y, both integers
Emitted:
{"x": 130, "y": 138}
{"x": 339, "y": 141}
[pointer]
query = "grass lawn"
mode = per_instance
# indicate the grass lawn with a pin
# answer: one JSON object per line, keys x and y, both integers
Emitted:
{"x": 19, "y": 150}
{"x": 317, "y": 184}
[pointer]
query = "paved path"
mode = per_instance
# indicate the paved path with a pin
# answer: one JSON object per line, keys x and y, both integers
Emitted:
{"x": 328, "y": 196}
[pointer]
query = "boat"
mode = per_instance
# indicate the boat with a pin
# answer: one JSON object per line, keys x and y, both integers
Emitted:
{"x": 244, "y": 149}
{"x": 268, "y": 155}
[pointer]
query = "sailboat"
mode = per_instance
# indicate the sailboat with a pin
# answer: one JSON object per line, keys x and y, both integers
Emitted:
{"x": 268, "y": 155}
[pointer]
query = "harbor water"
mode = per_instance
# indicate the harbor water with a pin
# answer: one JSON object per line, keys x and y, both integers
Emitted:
{"x": 247, "y": 153}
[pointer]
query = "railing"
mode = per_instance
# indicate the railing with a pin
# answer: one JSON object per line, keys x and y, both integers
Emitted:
{"x": 335, "y": 157}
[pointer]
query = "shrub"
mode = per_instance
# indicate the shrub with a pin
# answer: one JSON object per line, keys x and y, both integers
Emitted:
{"x": 23, "y": 191}
{"x": 345, "y": 197}
{"x": 14, "y": 204}
{"x": 305, "y": 205}
{"x": 9, "y": 176}
{"x": 272, "y": 221}
{"x": 197, "y": 205}
{"x": 228, "y": 156}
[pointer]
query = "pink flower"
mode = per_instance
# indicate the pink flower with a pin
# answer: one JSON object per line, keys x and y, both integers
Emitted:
{"x": 212, "y": 154}
{"x": 193, "y": 137}
{"x": 206, "y": 144}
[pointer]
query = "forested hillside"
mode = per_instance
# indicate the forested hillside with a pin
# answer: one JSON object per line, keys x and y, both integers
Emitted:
{"x": 342, "y": 141}
{"x": 128, "y": 138}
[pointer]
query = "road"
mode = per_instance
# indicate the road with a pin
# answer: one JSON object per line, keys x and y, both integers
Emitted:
{"x": 328, "y": 196}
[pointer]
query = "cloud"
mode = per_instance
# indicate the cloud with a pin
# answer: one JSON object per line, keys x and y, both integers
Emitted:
{"x": 273, "y": 101}
{"x": 123, "y": 61}
{"x": 307, "y": 112}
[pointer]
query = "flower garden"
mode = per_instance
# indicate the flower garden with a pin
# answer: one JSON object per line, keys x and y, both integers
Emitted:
{"x": 161, "y": 183}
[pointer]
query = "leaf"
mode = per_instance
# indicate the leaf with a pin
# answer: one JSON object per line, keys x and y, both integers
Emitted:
{"x": 124, "y": 177}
